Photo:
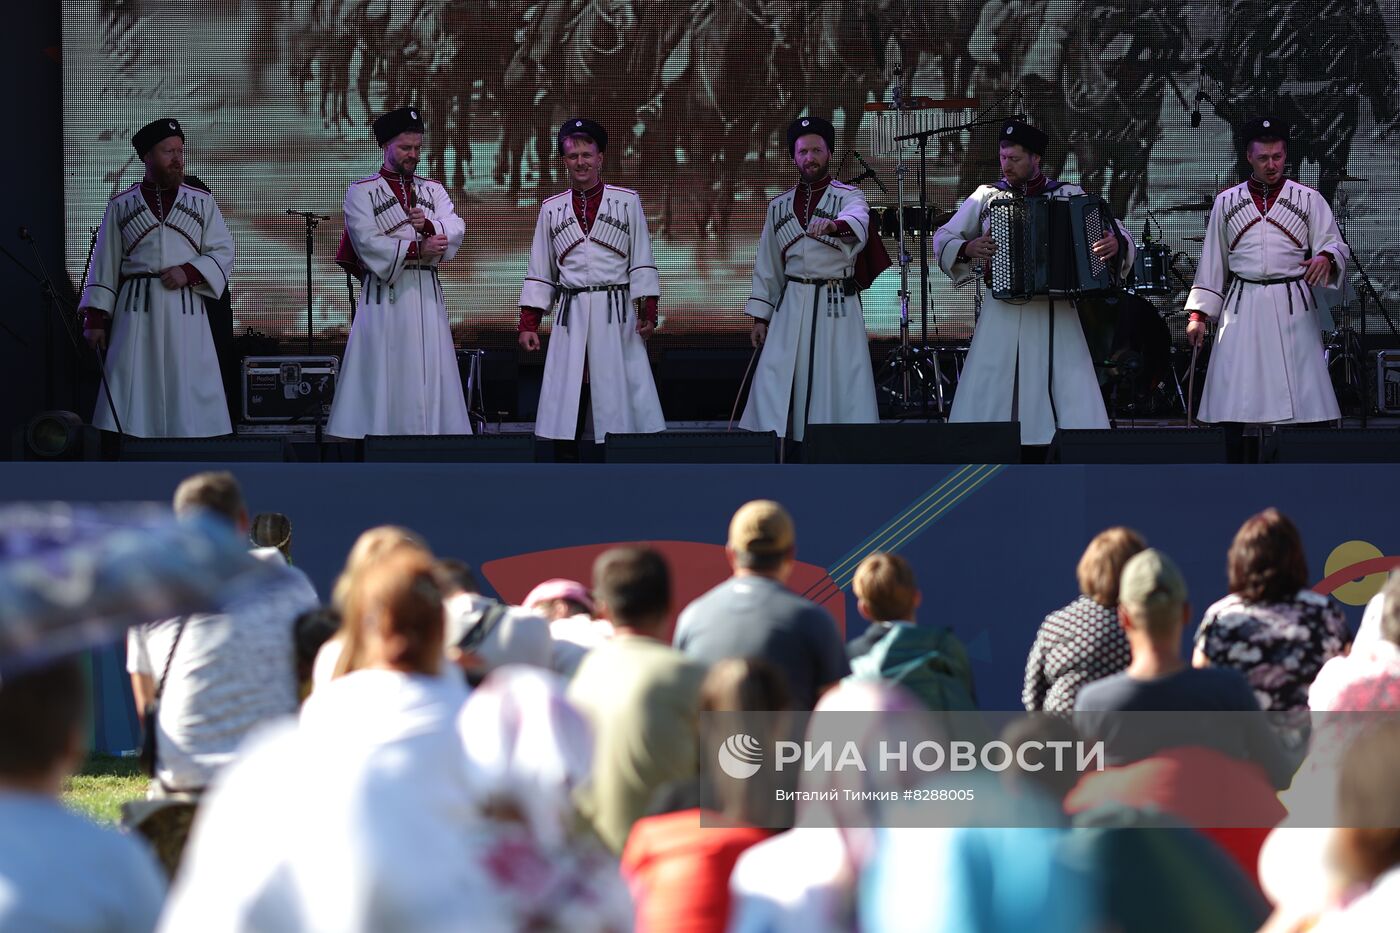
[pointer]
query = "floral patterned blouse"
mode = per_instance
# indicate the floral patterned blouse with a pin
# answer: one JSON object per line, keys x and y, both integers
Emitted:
{"x": 1278, "y": 647}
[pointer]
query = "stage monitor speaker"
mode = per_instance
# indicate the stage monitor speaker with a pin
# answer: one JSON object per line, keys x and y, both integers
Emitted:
{"x": 450, "y": 448}
{"x": 692, "y": 447}
{"x": 224, "y": 449}
{"x": 1141, "y": 445}
{"x": 910, "y": 442}
{"x": 1334, "y": 445}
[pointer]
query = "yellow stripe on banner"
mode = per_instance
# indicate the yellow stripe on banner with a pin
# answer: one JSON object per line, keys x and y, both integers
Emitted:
{"x": 907, "y": 524}
{"x": 895, "y": 545}
{"x": 861, "y": 551}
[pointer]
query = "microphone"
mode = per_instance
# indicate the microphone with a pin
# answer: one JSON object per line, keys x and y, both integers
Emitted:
{"x": 1147, "y": 229}
{"x": 869, "y": 173}
{"x": 898, "y": 87}
{"x": 1196, "y": 109}
{"x": 24, "y": 234}
{"x": 408, "y": 191}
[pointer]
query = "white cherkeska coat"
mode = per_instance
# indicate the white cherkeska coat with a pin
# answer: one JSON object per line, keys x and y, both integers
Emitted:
{"x": 600, "y": 328}
{"x": 161, "y": 363}
{"x": 1266, "y": 366}
{"x": 400, "y": 374}
{"x": 815, "y": 364}
{"x": 1005, "y": 376}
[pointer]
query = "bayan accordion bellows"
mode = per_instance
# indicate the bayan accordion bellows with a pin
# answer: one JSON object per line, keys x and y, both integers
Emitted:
{"x": 1043, "y": 246}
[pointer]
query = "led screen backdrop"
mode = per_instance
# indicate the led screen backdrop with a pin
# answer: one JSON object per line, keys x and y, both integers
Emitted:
{"x": 276, "y": 98}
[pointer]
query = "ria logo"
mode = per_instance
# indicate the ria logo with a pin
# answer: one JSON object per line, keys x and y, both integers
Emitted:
{"x": 740, "y": 756}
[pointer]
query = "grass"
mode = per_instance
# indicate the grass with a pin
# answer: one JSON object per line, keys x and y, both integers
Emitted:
{"x": 103, "y": 785}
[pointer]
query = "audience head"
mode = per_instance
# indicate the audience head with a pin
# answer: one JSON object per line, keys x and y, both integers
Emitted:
{"x": 368, "y": 547}
{"x": 1367, "y": 844}
{"x": 560, "y": 599}
{"x": 272, "y": 529}
{"x": 741, "y": 685}
{"x": 1056, "y": 783}
{"x": 1390, "y": 608}
{"x": 762, "y": 539}
{"x": 42, "y": 719}
{"x": 885, "y": 588}
{"x": 633, "y": 588}
{"x": 1152, "y": 598}
{"x": 737, "y": 685}
{"x": 457, "y": 577}
{"x": 215, "y": 492}
{"x": 1101, "y": 564}
{"x": 1266, "y": 562}
{"x": 310, "y": 631}
{"x": 395, "y": 609}
{"x": 529, "y": 750}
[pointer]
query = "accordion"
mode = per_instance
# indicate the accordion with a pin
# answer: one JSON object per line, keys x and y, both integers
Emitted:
{"x": 1043, "y": 246}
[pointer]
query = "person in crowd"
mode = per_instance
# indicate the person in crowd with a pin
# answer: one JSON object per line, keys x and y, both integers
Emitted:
{"x": 311, "y": 631}
{"x": 58, "y": 870}
{"x": 529, "y": 752}
{"x": 1364, "y": 848}
{"x": 1082, "y": 642}
{"x": 484, "y": 634}
{"x": 359, "y": 816}
{"x": 214, "y": 677}
{"x": 929, "y": 661}
{"x": 372, "y": 544}
{"x": 162, "y": 248}
{"x": 753, "y": 615}
{"x": 1368, "y": 678}
{"x": 639, "y": 693}
{"x": 1153, "y": 610}
{"x": 1294, "y": 867}
{"x": 1370, "y": 628}
{"x": 569, "y": 608}
{"x": 1271, "y": 628}
{"x": 805, "y": 880}
{"x": 678, "y": 859}
{"x": 886, "y": 595}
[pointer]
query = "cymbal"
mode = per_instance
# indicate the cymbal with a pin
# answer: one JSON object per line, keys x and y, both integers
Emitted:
{"x": 1195, "y": 239}
{"x": 1344, "y": 177}
{"x": 1200, "y": 207}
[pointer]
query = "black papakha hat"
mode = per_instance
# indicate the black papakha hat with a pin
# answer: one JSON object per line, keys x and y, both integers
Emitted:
{"x": 582, "y": 126}
{"x": 155, "y": 131}
{"x": 804, "y": 126}
{"x": 1263, "y": 128}
{"x": 1024, "y": 135}
{"x": 403, "y": 120}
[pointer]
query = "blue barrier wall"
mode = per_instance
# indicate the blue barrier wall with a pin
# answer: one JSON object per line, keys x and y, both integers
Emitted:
{"x": 994, "y": 547}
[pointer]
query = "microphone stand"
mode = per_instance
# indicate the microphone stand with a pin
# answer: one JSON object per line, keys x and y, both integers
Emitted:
{"x": 904, "y": 363}
{"x": 59, "y": 306}
{"x": 1366, "y": 287}
{"x": 312, "y": 219}
{"x": 925, "y": 218}
{"x": 29, "y": 272}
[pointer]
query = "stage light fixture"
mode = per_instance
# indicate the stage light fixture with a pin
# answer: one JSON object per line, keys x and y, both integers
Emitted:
{"x": 55, "y": 435}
